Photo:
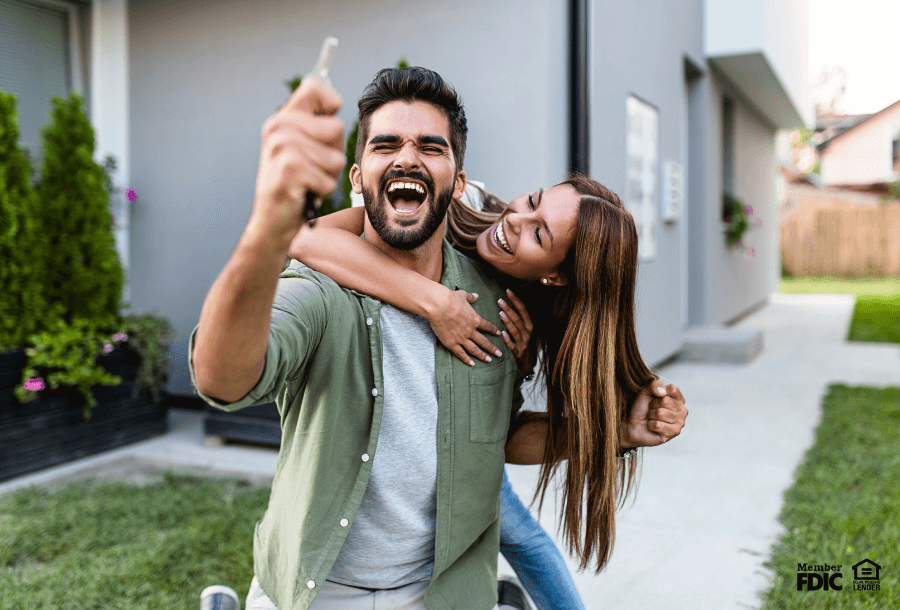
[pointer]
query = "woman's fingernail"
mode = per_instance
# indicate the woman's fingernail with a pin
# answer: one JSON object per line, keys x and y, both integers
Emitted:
{"x": 475, "y": 294}
{"x": 488, "y": 358}
{"x": 471, "y": 363}
{"x": 502, "y": 315}
{"x": 501, "y": 303}
{"x": 498, "y": 353}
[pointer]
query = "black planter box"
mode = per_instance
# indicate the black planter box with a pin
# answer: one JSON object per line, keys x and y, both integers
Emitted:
{"x": 52, "y": 430}
{"x": 260, "y": 424}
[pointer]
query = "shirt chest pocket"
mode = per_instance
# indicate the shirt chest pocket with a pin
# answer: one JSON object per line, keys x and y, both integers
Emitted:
{"x": 490, "y": 399}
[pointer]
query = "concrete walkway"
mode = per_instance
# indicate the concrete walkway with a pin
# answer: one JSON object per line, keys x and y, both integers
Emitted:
{"x": 705, "y": 515}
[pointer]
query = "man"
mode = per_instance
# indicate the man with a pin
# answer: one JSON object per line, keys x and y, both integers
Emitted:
{"x": 389, "y": 472}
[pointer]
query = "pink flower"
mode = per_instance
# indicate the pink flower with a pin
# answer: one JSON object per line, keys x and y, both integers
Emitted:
{"x": 120, "y": 336}
{"x": 30, "y": 351}
{"x": 132, "y": 196}
{"x": 36, "y": 384}
{"x": 748, "y": 209}
{"x": 107, "y": 347}
{"x": 752, "y": 251}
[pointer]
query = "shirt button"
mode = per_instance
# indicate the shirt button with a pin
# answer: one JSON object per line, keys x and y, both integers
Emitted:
{"x": 369, "y": 321}
{"x": 344, "y": 523}
{"x": 374, "y": 391}
{"x": 311, "y": 584}
{"x": 365, "y": 457}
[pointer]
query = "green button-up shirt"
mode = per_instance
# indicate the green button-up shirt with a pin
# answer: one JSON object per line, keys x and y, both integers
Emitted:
{"x": 324, "y": 371}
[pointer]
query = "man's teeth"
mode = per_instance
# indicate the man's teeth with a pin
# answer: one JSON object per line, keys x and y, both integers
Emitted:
{"x": 501, "y": 238}
{"x": 406, "y": 185}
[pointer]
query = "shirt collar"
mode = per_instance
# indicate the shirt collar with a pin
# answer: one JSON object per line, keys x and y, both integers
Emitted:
{"x": 450, "y": 276}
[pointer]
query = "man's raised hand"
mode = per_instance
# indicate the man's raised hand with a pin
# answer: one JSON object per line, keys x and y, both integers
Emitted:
{"x": 302, "y": 151}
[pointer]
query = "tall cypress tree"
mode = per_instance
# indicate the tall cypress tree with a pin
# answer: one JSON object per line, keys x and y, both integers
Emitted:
{"x": 23, "y": 305}
{"x": 85, "y": 275}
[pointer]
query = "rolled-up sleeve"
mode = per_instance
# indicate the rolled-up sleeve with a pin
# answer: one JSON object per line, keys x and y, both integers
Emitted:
{"x": 299, "y": 316}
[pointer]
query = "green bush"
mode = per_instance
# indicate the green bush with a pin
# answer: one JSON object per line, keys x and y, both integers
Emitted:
{"x": 84, "y": 276}
{"x": 66, "y": 355}
{"x": 59, "y": 236}
{"x": 23, "y": 303}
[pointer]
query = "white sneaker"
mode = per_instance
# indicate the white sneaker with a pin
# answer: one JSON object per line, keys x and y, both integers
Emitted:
{"x": 219, "y": 597}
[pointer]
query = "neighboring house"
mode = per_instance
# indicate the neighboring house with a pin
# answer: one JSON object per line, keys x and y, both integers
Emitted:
{"x": 669, "y": 104}
{"x": 866, "y": 154}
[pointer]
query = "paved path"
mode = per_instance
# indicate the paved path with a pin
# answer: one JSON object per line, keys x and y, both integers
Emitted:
{"x": 706, "y": 512}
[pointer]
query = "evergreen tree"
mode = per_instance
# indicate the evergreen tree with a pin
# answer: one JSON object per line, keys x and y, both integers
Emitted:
{"x": 22, "y": 300}
{"x": 85, "y": 275}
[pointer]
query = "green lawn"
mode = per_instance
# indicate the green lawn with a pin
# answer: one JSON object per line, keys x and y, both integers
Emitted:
{"x": 92, "y": 545}
{"x": 877, "y": 313}
{"x": 844, "y": 506}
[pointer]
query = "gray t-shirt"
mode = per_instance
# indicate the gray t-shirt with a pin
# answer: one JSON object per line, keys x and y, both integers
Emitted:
{"x": 391, "y": 539}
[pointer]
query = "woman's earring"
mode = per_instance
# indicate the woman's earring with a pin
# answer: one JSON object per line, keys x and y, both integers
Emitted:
{"x": 545, "y": 281}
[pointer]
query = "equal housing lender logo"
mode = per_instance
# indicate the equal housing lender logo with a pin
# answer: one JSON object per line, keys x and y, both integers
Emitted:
{"x": 829, "y": 577}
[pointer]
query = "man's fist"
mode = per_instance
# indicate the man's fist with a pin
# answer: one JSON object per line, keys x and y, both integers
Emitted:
{"x": 302, "y": 151}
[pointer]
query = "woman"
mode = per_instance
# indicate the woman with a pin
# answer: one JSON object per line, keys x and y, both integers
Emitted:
{"x": 571, "y": 254}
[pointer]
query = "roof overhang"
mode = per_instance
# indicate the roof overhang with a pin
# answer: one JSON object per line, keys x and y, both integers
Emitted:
{"x": 754, "y": 77}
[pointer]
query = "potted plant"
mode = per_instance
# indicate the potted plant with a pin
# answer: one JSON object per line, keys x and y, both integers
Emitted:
{"x": 737, "y": 218}
{"x": 81, "y": 378}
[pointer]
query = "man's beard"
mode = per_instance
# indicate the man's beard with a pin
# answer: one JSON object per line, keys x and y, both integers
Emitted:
{"x": 412, "y": 238}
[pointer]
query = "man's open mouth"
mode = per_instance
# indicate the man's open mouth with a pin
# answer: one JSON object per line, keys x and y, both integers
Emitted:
{"x": 406, "y": 196}
{"x": 500, "y": 238}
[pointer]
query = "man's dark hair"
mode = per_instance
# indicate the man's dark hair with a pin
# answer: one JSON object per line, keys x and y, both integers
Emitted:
{"x": 411, "y": 85}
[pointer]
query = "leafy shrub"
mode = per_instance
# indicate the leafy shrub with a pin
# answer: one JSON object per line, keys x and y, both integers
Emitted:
{"x": 84, "y": 276}
{"x": 66, "y": 355}
{"x": 23, "y": 305}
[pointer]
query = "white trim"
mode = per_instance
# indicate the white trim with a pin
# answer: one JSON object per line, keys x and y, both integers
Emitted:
{"x": 110, "y": 106}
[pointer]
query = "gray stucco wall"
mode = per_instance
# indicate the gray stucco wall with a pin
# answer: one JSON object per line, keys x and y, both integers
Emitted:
{"x": 726, "y": 283}
{"x": 204, "y": 77}
{"x": 639, "y": 49}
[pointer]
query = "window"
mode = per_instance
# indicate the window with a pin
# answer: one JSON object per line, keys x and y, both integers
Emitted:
{"x": 728, "y": 145}
{"x": 40, "y": 57}
{"x": 641, "y": 195}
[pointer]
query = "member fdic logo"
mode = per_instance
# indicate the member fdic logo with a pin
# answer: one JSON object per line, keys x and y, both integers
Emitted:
{"x": 829, "y": 577}
{"x": 816, "y": 577}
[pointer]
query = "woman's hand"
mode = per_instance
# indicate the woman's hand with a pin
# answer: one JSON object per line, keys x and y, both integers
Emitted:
{"x": 518, "y": 324}
{"x": 459, "y": 328}
{"x": 657, "y": 415}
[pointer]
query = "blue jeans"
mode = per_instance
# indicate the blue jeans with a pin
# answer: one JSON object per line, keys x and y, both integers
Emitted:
{"x": 533, "y": 555}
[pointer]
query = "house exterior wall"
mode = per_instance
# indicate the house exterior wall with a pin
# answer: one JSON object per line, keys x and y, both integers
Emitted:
{"x": 776, "y": 33}
{"x": 203, "y": 79}
{"x": 725, "y": 283}
{"x": 641, "y": 52}
{"x": 862, "y": 155}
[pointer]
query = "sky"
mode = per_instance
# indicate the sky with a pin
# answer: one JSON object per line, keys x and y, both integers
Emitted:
{"x": 862, "y": 36}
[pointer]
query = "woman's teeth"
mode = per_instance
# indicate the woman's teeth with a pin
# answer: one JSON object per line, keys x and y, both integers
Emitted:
{"x": 501, "y": 238}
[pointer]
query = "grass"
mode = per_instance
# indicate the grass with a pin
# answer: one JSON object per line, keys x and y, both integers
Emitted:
{"x": 877, "y": 314}
{"x": 844, "y": 505}
{"x": 115, "y": 545}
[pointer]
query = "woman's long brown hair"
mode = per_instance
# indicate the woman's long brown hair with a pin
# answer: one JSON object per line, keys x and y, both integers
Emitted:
{"x": 590, "y": 363}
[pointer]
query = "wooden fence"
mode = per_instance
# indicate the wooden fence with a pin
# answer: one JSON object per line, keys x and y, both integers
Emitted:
{"x": 842, "y": 241}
